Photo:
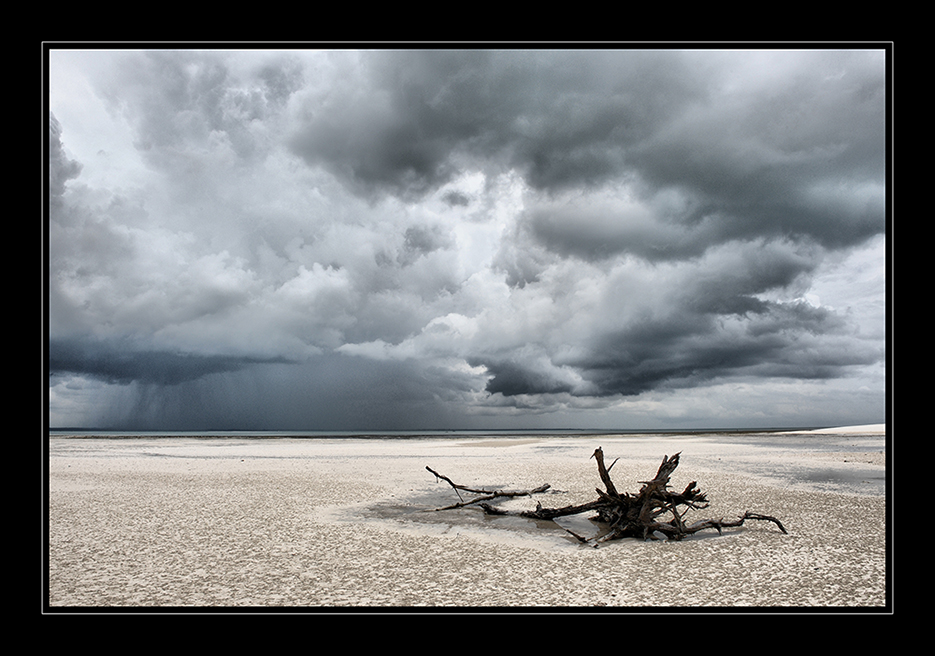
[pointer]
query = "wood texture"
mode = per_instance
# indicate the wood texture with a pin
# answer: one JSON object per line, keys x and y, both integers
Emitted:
{"x": 652, "y": 513}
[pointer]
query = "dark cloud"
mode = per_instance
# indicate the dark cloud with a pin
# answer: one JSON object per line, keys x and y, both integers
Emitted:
{"x": 286, "y": 396}
{"x": 694, "y": 322}
{"x": 800, "y": 158}
{"x": 408, "y": 121}
{"x": 120, "y": 362}
{"x": 511, "y": 378}
{"x": 454, "y": 198}
{"x": 454, "y": 232}
{"x": 595, "y": 231}
{"x": 777, "y": 341}
{"x": 794, "y": 341}
{"x": 732, "y": 277}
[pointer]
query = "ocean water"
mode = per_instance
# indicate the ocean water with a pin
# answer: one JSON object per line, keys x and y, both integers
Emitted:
{"x": 83, "y": 432}
{"x": 416, "y": 434}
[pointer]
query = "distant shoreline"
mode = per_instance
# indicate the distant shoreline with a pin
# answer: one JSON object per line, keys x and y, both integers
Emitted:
{"x": 459, "y": 433}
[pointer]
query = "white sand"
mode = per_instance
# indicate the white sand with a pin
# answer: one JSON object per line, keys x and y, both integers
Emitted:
{"x": 339, "y": 523}
{"x": 866, "y": 429}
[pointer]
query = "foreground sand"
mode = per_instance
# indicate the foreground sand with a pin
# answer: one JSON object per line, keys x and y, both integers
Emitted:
{"x": 341, "y": 523}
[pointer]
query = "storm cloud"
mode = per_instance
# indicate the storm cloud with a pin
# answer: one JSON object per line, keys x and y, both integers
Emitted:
{"x": 466, "y": 238}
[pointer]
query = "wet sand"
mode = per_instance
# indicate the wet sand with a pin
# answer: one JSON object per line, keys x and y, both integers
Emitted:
{"x": 214, "y": 523}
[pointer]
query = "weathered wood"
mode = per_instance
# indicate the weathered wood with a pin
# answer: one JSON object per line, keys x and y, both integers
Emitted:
{"x": 604, "y": 473}
{"x": 639, "y": 515}
{"x": 489, "y": 494}
{"x": 456, "y": 486}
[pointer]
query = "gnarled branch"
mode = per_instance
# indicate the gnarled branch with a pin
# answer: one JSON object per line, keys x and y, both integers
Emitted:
{"x": 627, "y": 515}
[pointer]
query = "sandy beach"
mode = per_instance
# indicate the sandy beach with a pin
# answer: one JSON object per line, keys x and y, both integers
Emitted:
{"x": 228, "y": 522}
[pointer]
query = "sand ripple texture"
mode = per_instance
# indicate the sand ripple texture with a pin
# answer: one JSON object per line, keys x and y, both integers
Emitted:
{"x": 341, "y": 524}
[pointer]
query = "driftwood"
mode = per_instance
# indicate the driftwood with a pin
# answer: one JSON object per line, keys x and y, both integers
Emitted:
{"x": 641, "y": 515}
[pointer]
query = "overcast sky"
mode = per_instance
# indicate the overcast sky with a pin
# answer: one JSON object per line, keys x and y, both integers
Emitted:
{"x": 417, "y": 239}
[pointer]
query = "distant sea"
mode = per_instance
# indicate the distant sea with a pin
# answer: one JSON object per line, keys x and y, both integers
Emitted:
{"x": 411, "y": 434}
